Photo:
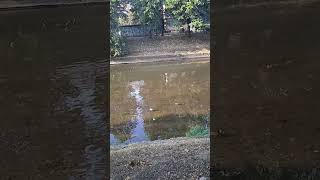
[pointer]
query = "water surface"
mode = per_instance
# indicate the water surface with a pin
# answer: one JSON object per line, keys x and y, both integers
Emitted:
{"x": 158, "y": 100}
{"x": 52, "y": 93}
{"x": 266, "y": 84}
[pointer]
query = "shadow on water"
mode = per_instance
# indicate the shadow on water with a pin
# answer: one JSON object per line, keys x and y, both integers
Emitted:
{"x": 164, "y": 127}
{"x": 52, "y": 93}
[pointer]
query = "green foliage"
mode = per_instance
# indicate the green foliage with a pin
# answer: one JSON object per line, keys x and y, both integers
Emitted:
{"x": 201, "y": 129}
{"x": 199, "y": 25}
{"x": 203, "y": 118}
{"x": 148, "y": 12}
{"x": 117, "y": 42}
{"x": 198, "y": 131}
{"x": 117, "y": 11}
{"x": 129, "y": 20}
{"x": 187, "y": 11}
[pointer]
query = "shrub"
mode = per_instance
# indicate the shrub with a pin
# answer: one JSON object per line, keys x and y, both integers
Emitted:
{"x": 198, "y": 131}
{"x": 117, "y": 44}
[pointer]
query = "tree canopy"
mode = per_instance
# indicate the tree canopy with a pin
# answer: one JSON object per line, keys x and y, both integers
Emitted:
{"x": 195, "y": 12}
{"x": 117, "y": 42}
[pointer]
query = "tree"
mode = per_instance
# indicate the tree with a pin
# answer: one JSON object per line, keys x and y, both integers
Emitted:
{"x": 117, "y": 42}
{"x": 150, "y": 13}
{"x": 189, "y": 11}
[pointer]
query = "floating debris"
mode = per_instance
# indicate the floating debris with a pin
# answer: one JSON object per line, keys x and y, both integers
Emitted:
{"x": 151, "y": 109}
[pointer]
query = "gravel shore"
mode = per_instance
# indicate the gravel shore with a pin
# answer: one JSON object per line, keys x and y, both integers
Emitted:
{"x": 176, "y": 158}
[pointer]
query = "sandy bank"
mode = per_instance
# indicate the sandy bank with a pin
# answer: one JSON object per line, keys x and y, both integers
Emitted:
{"x": 177, "y": 158}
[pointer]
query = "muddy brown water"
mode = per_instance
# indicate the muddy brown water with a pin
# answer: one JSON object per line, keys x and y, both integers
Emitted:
{"x": 52, "y": 93}
{"x": 266, "y": 84}
{"x": 157, "y": 100}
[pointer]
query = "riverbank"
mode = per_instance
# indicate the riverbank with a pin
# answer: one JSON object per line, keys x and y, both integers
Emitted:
{"x": 171, "y": 47}
{"x": 163, "y": 58}
{"x": 176, "y": 158}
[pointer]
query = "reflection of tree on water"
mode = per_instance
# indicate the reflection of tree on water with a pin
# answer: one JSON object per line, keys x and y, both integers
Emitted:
{"x": 168, "y": 126}
{"x": 122, "y": 132}
{"x": 164, "y": 127}
{"x": 173, "y": 125}
{"x": 133, "y": 131}
{"x": 138, "y": 133}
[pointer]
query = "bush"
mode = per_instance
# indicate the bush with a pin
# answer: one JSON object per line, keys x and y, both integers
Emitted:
{"x": 117, "y": 44}
{"x": 198, "y": 25}
{"x": 198, "y": 131}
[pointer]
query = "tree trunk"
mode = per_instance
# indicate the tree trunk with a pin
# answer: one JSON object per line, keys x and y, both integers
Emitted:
{"x": 162, "y": 18}
{"x": 189, "y": 31}
{"x": 162, "y": 26}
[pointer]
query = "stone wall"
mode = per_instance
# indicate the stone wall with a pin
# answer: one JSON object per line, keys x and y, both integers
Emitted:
{"x": 134, "y": 30}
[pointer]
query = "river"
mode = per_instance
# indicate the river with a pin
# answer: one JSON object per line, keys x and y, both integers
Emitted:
{"x": 157, "y": 100}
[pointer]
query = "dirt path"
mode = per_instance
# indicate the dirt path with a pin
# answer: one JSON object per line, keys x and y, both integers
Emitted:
{"x": 177, "y": 158}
